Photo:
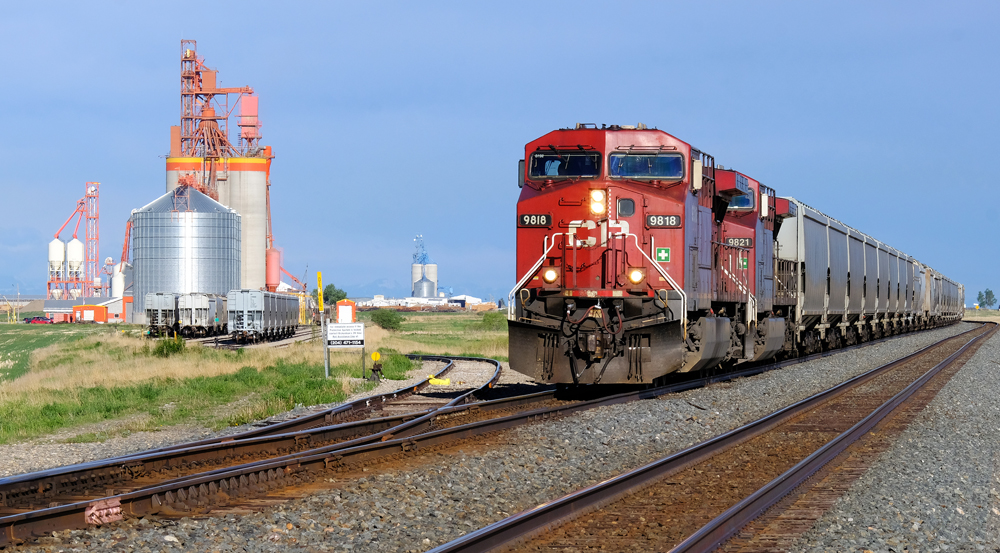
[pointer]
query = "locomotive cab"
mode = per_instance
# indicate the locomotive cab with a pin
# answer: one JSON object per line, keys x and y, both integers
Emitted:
{"x": 601, "y": 243}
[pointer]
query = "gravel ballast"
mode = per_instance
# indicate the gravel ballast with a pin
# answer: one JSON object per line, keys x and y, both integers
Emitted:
{"x": 937, "y": 488}
{"x": 442, "y": 497}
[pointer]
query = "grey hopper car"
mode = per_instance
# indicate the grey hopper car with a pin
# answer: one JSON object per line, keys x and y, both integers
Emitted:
{"x": 202, "y": 315}
{"x": 256, "y": 315}
{"x": 849, "y": 287}
{"x": 161, "y": 313}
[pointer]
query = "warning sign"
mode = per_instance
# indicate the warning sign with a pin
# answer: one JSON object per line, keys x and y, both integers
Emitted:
{"x": 345, "y": 335}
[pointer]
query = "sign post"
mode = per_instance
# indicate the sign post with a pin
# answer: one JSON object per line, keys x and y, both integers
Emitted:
{"x": 322, "y": 323}
{"x": 346, "y": 311}
{"x": 347, "y": 336}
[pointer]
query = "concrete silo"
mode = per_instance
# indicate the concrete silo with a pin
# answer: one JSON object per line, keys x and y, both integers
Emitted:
{"x": 232, "y": 168}
{"x": 241, "y": 184}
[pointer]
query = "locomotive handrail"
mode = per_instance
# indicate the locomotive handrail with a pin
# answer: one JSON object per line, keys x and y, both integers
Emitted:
{"x": 668, "y": 278}
{"x": 751, "y": 311}
{"x": 529, "y": 274}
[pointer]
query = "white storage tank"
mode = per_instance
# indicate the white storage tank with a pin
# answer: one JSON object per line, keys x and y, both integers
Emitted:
{"x": 57, "y": 256}
{"x": 118, "y": 280}
{"x": 75, "y": 257}
{"x": 416, "y": 273}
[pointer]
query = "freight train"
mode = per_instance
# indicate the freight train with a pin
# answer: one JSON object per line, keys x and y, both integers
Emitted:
{"x": 190, "y": 315}
{"x": 639, "y": 257}
{"x": 256, "y": 315}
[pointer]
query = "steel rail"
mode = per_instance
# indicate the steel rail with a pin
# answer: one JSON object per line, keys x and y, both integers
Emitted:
{"x": 334, "y": 414}
{"x": 255, "y": 476}
{"x": 720, "y": 529}
{"x": 175, "y": 495}
{"x": 344, "y": 411}
{"x": 113, "y": 472}
{"x": 301, "y": 434}
{"x": 518, "y": 526}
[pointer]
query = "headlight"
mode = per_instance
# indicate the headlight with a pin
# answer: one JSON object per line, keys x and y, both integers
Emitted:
{"x": 597, "y": 208}
{"x": 550, "y": 275}
{"x": 597, "y": 195}
{"x": 636, "y": 275}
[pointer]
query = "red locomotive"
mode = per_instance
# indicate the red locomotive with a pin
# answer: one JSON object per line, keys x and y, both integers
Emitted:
{"x": 638, "y": 257}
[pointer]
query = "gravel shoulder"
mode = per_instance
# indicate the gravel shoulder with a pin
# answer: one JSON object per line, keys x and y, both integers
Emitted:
{"x": 938, "y": 487}
{"x": 430, "y": 502}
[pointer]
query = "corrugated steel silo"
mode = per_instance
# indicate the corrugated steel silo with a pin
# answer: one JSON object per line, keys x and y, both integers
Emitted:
{"x": 424, "y": 288}
{"x": 184, "y": 242}
{"x": 431, "y": 272}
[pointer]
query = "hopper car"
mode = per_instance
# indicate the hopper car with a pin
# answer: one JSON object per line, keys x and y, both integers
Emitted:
{"x": 638, "y": 257}
{"x": 257, "y": 315}
{"x": 161, "y": 313}
{"x": 201, "y": 315}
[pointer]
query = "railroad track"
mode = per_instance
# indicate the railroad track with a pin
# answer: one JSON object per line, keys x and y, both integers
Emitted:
{"x": 92, "y": 484}
{"x": 206, "y": 475}
{"x": 697, "y": 499}
{"x": 304, "y": 333}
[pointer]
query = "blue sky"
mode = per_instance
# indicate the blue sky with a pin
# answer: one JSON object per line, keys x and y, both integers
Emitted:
{"x": 395, "y": 119}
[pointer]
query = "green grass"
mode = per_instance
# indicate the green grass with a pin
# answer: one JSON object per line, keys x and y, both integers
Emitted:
{"x": 163, "y": 402}
{"x": 459, "y": 333}
{"x": 238, "y": 397}
{"x": 215, "y": 401}
{"x": 18, "y": 341}
{"x": 25, "y": 314}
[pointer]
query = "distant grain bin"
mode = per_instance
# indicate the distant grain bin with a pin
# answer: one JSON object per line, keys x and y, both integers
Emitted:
{"x": 184, "y": 242}
{"x": 424, "y": 288}
{"x": 423, "y": 273}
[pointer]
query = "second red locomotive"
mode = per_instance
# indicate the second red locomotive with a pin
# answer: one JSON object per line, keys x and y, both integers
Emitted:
{"x": 638, "y": 257}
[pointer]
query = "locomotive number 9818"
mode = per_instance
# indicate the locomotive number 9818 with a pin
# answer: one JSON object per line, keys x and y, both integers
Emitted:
{"x": 528, "y": 220}
{"x": 663, "y": 221}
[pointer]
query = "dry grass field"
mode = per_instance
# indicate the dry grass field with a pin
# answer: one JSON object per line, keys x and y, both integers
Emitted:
{"x": 58, "y": 376}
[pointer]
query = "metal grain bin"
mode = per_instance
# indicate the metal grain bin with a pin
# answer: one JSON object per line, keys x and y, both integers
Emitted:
{"x": 424, "y": 288}
{"x": 184, "y": 242}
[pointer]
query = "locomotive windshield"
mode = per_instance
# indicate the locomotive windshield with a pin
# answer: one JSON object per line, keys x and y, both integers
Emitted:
{"x": 646, "y": 166}
{"x": 565, "y": 164}
{"x": 742, "y": 203}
